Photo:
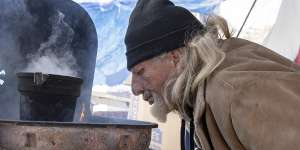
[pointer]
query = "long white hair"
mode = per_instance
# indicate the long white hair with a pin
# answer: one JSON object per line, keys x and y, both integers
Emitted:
{"x": 200, "y": 57}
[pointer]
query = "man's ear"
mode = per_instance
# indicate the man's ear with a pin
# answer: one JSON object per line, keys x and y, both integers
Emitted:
{"x": 175, "y": 56}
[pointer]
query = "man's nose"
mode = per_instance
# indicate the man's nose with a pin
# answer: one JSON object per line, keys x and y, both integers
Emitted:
{"x": 136, "y": 86}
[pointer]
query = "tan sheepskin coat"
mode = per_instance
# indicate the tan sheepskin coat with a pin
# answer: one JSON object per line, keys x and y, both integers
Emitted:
{"x": 252, "y": 101}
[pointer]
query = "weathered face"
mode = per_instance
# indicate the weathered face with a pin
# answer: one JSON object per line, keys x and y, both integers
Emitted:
{"x": 148, "y": 79}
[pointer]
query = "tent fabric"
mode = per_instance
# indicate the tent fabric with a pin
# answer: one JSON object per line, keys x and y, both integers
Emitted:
{"x": 284, "y": 38}
{"x": 260, "y": 21}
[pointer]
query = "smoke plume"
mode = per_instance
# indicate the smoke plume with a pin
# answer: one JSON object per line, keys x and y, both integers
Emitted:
{"x": 14, "y": 21}
{"x": 55, "y": 56}
{"x": 34, "y": 37}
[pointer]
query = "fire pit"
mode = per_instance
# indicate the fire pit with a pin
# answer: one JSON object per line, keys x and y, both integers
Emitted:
{"x": 110, "y": 134}
{"x": 47, "y": 97}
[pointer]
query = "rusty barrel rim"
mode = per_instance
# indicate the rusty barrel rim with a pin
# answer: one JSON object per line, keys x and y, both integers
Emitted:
{"x": 109, "y": 122}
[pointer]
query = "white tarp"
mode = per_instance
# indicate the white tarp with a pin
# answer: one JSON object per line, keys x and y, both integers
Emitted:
{"x": 285, "y": 35}
{"x": 260, "y": 21}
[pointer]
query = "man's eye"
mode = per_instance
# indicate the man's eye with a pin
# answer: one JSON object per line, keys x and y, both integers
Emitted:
{"x": 140, "y": 72}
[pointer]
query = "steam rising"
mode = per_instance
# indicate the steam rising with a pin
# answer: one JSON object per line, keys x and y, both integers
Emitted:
{"x": 55, "y": 56}
{"x": 2, "y": 73}
{"x": 40, "y": 36}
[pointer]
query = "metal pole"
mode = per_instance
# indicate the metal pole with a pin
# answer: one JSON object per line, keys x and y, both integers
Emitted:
{"x": 246, "y": 18}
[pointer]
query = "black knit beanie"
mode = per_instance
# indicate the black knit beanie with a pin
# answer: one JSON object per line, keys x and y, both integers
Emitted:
{"x": 155, "y": 27}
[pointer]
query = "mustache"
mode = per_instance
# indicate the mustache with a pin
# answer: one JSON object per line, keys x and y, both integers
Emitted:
{"x": 147, "y": 94}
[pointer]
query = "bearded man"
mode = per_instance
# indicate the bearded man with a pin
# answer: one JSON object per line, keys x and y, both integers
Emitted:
{"x": 237, "y": 94}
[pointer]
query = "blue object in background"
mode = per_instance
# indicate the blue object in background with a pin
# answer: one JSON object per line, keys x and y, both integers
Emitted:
{"x": 111, "y": 23}
{"x": 111, "y": 20}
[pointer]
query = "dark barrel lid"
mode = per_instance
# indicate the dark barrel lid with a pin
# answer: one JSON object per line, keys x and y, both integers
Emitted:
{"x": 48, "y": 84}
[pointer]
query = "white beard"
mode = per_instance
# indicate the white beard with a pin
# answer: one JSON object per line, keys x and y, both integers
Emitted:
{"x": 159, "y": 109}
